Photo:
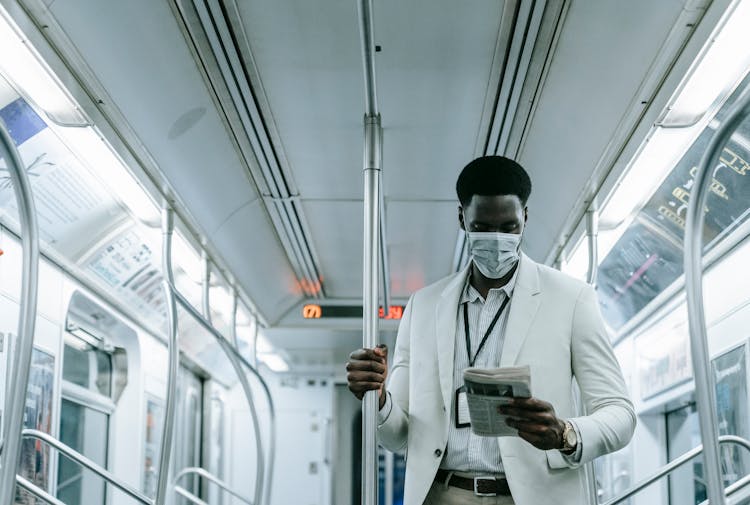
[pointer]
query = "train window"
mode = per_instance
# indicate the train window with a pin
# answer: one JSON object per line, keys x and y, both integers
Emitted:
{"x": 86, "y": 430}
{"x": 88, "y": 367}
{"x": 34, "y": 463}
{"x": 154, "y": 428}
{"x": 648, "y": 257}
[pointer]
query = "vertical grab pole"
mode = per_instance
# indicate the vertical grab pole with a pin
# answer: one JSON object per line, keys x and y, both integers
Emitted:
{"x": 16, "y": 395}
{"x": 704, "y": 383}
{"x": 167, "y": 226}
{"x": 370, "y": 402}
{"x": 372, "y": 224}
{"x": 206, "y": 287}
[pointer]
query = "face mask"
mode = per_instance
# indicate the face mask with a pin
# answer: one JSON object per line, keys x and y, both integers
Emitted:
{"x": 494, "y": 254}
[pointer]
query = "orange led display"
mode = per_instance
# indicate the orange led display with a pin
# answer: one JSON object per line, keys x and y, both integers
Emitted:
{"x": 312, "y": 311}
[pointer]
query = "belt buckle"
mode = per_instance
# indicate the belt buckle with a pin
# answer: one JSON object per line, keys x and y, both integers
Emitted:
{"x": 480, "y": 478}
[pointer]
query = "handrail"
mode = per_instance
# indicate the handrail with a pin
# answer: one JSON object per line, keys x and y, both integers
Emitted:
{"x": 247, "y": 390}
{"x": 189, "y": 496}
{"x": 15, "y": 397}
{"x": 693, "y": 265}
{"x": 37, "y": 491}
{"x": 372, "y": 165}
{"x": 211, "y": 477}
{"x": 86, "y": 462}
{"x": 165, "y": 456}
{"x": 673, "y": 465}
{"x": 592, "y": 234}
{"x": 237, "y": 361}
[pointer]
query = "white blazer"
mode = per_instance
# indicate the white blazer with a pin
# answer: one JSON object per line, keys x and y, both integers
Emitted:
{"x": 555, "y": 327}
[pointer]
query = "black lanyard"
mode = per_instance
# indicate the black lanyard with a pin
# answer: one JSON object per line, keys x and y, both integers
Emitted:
{"x": 486, "y": 334}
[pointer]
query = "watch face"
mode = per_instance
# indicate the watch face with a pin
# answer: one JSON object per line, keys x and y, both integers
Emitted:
{"x": 570, "y": 438}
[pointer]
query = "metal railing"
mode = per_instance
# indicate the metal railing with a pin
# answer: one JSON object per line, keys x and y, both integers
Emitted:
{"x": 372, "y": 165}
{"x": 165, "y": 455}
{"x": 704, "y": 384}
{"x": 83, "y": 461}
{"x": 247, "y": 390}
{"x": 236, "y": 360}
{"x": 211, "y": 478}
{"x": 675, "y": 464}
{"x": 37, "y": 491}
{"x": 15, "y": 397}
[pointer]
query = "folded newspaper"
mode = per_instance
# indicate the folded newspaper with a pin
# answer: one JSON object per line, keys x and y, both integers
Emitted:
{"x": 488, "y": 388}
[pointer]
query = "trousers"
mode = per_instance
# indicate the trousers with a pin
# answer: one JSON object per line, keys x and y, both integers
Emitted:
{"x": 440, "y": 494}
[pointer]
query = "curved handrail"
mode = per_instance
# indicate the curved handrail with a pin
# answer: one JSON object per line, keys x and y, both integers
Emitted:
{"x": 86, "y": 462}
{"x": 37, "y": 491}
{"x": 165, "y": 455}
{"x": 15, "y": 397}
{"x": 673, "y": 465}
{"x": 237, "y": 361}
{"x": 592, "y": 234}
{"x": 189, "y": 496}
{"x": 693, "y": 265}
{"x": 211, "y": 477}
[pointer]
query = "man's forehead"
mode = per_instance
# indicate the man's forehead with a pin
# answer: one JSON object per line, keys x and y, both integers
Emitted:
{"x": 495, "y": 204}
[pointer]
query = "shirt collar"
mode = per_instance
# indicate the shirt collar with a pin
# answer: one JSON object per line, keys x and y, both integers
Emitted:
{"x": 471, "y": 294}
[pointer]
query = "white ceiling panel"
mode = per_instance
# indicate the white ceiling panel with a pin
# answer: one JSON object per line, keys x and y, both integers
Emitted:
{"x": 138, "y": 53}
{"x": 337, "y": 228}
{"x": 308, "y": 58}
{"x": 432, "y": 77}
{"x": 604, "y": 53}
{"x": 249, "y": 244}
{"x": 421, "y": 242}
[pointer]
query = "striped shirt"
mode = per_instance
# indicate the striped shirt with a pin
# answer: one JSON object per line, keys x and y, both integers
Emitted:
{"x": 466, "y": 451}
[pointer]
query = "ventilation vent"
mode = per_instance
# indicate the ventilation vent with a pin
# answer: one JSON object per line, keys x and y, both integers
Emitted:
{"x": 223, "y": 54}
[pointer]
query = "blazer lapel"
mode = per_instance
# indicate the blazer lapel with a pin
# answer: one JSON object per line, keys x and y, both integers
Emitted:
{"x": 523, "y": 306}
{"x": 446, "y": 312}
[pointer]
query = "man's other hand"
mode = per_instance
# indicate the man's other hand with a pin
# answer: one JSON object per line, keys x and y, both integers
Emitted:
{"x": 535, "y": 421}
{"x": 367, "y": 370}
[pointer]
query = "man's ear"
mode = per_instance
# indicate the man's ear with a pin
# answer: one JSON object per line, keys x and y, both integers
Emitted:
{"x": 461, "y": 218}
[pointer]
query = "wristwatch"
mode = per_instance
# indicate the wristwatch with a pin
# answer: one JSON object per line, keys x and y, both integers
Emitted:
{"x": 569, "y": 438}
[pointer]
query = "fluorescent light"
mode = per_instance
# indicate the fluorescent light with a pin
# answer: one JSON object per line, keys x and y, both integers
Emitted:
{"x": 21, "y": 64}
{"x": 101, "y": 159}
{"x": 655, "y": 159}
{"x": 273, "y": 361}
{"x": 722, "y": 65}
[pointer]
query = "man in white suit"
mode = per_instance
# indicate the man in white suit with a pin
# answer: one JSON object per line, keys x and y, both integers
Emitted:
{"x": 501, "y": 310}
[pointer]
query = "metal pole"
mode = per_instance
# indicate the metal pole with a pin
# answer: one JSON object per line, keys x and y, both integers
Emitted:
{"x": 173, "y": 362}
{"x": 704, "y": 383}
{"x": 206, "y": 287}
{"x": 237, "y": 361}
{"x": 384, "y": 271}
{"x": 212, "y": 478}
{"x": 16, "y": 394}
{"x": 372, "y": 166}
{"x": 233, "y": 323}
{"x": 592, "y": 234}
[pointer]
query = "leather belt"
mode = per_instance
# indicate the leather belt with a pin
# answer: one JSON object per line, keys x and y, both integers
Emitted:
{"x": 481, "y": 485}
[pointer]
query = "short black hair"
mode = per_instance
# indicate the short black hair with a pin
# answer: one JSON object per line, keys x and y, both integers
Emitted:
{"x": 493, "y": 175}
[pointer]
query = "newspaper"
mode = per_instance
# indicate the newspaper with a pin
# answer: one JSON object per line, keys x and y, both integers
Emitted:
{"x": 488, "y": 388}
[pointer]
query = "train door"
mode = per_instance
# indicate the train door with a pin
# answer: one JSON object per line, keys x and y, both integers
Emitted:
{"x": 189, "y": 428}
{"x": 85, "y": 411}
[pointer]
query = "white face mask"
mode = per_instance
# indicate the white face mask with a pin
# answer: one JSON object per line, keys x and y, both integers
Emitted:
{"x": 495, "y": 254}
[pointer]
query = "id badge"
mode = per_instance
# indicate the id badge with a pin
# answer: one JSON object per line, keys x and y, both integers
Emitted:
{"x": 463, "y": 420}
